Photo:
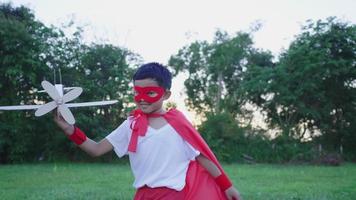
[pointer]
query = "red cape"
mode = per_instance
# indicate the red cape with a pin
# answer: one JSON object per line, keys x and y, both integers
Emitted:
{"x": 200, "y": 185}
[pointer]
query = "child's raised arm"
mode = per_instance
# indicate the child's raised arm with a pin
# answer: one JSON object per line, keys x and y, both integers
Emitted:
{"x": 91, "y": 147}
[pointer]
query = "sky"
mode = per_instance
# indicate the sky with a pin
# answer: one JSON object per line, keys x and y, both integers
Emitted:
{"x": 157, "y": 29}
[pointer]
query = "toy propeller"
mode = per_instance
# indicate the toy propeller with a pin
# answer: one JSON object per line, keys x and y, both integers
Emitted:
{"x": 59, "y": 101}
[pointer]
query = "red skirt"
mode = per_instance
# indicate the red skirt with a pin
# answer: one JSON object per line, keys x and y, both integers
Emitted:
{"x": 159, "y": 193}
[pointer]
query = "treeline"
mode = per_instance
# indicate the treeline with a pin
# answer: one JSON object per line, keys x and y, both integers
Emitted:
{"x": 31, "y": 52}
{"x": 307, "y": 94}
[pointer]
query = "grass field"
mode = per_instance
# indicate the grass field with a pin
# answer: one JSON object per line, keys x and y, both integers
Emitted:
{"x": 113, "y": 181}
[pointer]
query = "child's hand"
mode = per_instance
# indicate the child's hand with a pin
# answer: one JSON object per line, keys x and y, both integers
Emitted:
{"x": 232, "y": 194}
{"x": 61, "y": 123}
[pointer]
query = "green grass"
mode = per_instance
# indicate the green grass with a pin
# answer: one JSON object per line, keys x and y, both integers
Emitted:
{"x": 113, "y": 181}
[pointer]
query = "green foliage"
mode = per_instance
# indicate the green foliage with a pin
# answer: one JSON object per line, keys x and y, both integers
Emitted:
{"x": 312, "y": 88}
{"x": 31, "y": 52}
{"x": 215, "y": 71}
{"x": 222, "y": 133}
{"x": 104, "y": 74}
{"x": 22, "y": 40}
{"x": 232, "y": 143}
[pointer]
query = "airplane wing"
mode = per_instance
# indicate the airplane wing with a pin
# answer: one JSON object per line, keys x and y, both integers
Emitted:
{"x": 93, "y": 103}
{"x": 84, "y": 104}
{"x": 21, "y": 107}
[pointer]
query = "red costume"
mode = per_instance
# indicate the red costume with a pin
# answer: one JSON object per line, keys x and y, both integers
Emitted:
{"x": 200, "y": 185}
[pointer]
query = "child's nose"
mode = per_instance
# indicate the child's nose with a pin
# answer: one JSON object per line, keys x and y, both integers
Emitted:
{"x": 142, "y": 101}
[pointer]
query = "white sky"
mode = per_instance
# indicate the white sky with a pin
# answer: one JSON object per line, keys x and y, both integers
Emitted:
{"x": 157, "y": 29}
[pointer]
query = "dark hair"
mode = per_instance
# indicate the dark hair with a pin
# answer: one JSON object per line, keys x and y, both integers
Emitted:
{"x": 155, "y": 71}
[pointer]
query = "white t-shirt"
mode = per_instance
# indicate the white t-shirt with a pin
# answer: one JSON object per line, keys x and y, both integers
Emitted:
{"x": 161, "y": 159}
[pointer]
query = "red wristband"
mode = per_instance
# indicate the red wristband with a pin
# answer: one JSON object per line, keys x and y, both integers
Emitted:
{"x": 78, "y": 137}
{"x": 223, "y": 182}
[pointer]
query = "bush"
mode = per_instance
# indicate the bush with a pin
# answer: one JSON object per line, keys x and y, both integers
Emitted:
{"x": 223, "y": 135}
{"x": 232, "y": 143}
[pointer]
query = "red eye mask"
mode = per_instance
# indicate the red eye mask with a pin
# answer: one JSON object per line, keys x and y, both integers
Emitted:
{"x": 148, "y": 94}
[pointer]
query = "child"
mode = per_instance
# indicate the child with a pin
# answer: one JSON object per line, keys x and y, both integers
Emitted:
{"x": 168, "y": 157}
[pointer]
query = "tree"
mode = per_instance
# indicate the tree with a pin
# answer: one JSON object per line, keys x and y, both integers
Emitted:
{"x": 215, "y": 71}
{"x": 223, "y": 135}
{"x": 105, "y": 74}
{"x": 22, "y": 40}
{"x": 215, "y": 75}
{"x": 31, "y": 52}
{"x": 312, "y": 88}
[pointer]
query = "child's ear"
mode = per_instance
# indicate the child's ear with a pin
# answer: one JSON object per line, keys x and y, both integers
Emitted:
{"x": 167, "y": 94}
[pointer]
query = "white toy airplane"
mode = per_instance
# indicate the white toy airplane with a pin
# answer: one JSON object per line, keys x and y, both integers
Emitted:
{"x": 59, "y": 101}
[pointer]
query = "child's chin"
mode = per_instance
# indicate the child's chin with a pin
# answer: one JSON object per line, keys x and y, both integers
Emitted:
{"x": 145, "y": 109}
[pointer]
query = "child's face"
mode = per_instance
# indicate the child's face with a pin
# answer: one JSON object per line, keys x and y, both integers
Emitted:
{"x": 145, "y": 105}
